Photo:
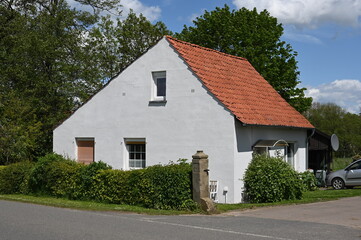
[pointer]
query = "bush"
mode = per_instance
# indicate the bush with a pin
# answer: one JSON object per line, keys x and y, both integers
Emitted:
{"x": 160, "y": 187}
{"x": 171, "y": 185}
{"x": 110, "y": 186}
{"x": 86, "y": 179}
{"x": 270, "y": 179}
{"x": 62, "y": 178}
{"x": 14, "y": 178}
{"x": 356, "y": 157}
{"x": 309, "y": 181}
{"x": 54, "y": 175}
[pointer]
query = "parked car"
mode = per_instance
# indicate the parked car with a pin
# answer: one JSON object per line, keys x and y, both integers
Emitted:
{"x": 348, "y": 177}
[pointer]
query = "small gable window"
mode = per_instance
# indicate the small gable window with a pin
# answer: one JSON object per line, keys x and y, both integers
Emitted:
{"x": 159, "y": 86}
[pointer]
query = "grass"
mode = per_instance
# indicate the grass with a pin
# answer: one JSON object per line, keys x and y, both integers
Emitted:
{"x": 308, "y": 197}
{"x": 87, "y": 205}
{"x": 340, "y": 163}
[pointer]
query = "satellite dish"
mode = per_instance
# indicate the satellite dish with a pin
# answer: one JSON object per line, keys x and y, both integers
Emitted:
{"x": 334, "y": 142}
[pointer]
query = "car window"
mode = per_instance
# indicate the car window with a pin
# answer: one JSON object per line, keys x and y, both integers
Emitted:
{"x": 355, "y": 166}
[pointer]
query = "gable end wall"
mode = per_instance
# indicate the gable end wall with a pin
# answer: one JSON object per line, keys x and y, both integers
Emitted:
{"x": 192, "y": 119}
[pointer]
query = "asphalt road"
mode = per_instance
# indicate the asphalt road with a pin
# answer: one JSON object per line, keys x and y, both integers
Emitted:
{"x": 344, "y": 211}
{"x": 34, "y": 222}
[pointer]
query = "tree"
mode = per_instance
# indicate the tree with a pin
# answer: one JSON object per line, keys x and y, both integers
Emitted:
{"x": 52, "y": 60}
{"x": 331, "y": 118}
{"x": 115, "y": 45}
{"x": 255, "y": 36}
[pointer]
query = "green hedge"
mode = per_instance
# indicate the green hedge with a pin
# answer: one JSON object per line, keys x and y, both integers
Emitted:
{"x": 14, "y": 178}
{"x": 270, "y": 179}
{"x": 160, "y": 187}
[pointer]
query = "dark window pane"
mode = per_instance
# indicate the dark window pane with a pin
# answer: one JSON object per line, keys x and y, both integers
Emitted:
{"x": 161, "y": 87}
{"x": 131, "y": 155}
{"x": 131, "y": 148}
{"x": 138, "y": 148}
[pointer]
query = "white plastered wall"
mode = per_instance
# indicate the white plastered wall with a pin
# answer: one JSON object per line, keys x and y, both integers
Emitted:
{"x": 247, "y": 136}
{"x": 191, "y": 120}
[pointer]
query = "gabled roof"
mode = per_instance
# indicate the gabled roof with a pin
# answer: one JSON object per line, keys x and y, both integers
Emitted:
{"x": 237, "y": 85}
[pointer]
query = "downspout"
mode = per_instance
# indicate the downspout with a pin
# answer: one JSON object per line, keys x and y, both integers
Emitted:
{"x": 308, "y": 138}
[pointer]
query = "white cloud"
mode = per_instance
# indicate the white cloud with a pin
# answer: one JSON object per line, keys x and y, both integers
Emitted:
{"x": 309, "y": 13}
{"x": 345, "y": 93}
{"x": 152, "y": 13}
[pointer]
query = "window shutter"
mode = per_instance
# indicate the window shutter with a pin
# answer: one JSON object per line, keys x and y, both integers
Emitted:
{"x": 85, "y": 151}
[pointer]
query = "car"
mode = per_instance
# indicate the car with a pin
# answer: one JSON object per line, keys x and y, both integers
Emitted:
{"x": 345, "y": 178}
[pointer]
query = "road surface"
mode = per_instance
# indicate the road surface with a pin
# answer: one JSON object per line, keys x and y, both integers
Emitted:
{"x": 20, "y": 221}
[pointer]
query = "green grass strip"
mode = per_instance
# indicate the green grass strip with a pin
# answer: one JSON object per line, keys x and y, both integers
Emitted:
{"x": 87, "y": 205}
{"x": 308, "y": 197}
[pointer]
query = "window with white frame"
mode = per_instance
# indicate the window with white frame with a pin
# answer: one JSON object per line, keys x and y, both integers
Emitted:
{"x": 159, "y": 86}
{"x": 136, "y": 153}
{"x": 276, "y": 148}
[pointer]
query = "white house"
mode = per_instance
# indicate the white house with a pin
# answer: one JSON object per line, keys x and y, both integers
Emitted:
{"x": 178, "y": 98}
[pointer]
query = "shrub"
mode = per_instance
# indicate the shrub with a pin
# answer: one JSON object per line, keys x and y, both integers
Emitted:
{"x": 356, "y": 157}
{"x": 111, "y": 186}
{"x": 85, "y": 179}
{"x": 270, "y": 179}
{"x": 55, "y": 175}
{"x": 160, "y": 187}
{"x": 62, "y": 178}
{"x": 171, "y": 185}
{"x": 38, "y": 177}
{"x": 309, "y": 181}
{"x": 14, "y": 178}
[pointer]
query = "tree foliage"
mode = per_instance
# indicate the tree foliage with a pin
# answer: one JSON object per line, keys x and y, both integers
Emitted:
{"x": 52, "y": 58}
{"x": 114, "y": 47}
{"x": 255, "y": 36}
{"x": 331, "y": 118}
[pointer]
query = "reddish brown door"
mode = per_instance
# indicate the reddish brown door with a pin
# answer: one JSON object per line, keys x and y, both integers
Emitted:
{"x": 85, "y": 151}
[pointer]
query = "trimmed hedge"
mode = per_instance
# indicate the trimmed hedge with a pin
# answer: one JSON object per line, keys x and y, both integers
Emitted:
{"x": 270, "y": 179}
{"x": 160, "y": 187}
{"x": 14, "y": 178}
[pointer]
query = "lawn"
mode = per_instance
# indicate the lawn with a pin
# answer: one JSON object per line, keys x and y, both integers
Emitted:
{"x": 87, "y": 205}
{"x": 308, "y": 197}
{"x": 340, "y": 163}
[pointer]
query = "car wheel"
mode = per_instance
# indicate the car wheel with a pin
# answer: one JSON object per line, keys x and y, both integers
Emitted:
{"x": 338, "y": 183}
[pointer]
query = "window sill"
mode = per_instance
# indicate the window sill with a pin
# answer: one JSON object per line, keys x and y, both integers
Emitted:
{"x": 157, "y": 103}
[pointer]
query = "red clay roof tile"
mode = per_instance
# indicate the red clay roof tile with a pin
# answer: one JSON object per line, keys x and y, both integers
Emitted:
{"x": 236, "y": 84}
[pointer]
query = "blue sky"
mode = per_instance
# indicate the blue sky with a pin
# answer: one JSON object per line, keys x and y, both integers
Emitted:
{"x": 325, "y": 33}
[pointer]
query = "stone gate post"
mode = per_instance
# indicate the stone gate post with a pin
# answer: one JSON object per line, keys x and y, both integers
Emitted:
{"x": 200, "y": 180}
